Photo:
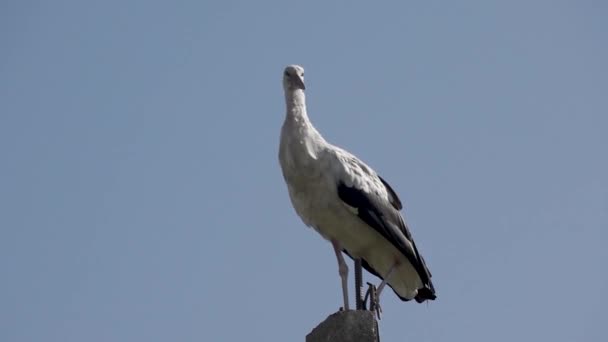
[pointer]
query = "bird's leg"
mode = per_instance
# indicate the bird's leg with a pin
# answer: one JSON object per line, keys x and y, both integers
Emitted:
{"x": 374, "y": 305}
{"x": 388, "y": 274}
{"x": 358, "y": 284}
{"x": 343, "y": 270}
{"x": 374, "y": 299}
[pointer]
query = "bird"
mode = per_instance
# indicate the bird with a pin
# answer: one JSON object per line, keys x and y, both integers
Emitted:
{"x": 347, "y": 203}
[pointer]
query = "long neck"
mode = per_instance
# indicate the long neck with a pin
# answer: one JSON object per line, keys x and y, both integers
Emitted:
{"x": 295, "y": 100}
{"x": 297, "y": 128}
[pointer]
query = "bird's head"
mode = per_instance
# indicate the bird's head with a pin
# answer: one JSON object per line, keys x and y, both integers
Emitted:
{"x": 293, "y": 78}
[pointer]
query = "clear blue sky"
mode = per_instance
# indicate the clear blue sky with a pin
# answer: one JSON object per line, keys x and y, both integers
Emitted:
{"x": 141, "y": 197}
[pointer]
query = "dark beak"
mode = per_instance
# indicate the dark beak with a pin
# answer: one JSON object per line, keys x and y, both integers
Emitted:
{"x": 299, "y": 83}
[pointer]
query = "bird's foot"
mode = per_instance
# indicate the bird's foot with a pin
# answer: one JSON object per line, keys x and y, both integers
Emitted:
{"x": 374, "y": 300}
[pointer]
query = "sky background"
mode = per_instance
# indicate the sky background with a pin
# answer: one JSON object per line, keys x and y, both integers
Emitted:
{"x": 141, "y": 197}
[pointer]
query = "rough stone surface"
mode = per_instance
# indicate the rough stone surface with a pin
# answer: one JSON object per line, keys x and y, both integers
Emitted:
{"x": 346, "y": 326}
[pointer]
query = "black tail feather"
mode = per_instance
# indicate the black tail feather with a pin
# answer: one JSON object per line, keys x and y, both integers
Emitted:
{"x": 425, "y": 294}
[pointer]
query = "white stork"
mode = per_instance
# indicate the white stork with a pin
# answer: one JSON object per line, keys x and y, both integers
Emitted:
{"x": 346, "y": 202}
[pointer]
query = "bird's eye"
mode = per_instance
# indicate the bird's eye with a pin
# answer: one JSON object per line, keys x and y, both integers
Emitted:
{"x": 286, "y": 73}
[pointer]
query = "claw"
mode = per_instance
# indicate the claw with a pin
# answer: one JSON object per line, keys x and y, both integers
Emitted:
{"x": 374, "y": 300}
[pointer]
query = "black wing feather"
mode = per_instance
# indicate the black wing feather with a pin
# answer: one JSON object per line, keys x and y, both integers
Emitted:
{"x": 387, "y": 221}
{"x": 392, "y": 195}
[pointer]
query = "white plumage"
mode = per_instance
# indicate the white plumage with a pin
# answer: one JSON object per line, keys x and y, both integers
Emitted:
{"x": 346, "y": 202}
